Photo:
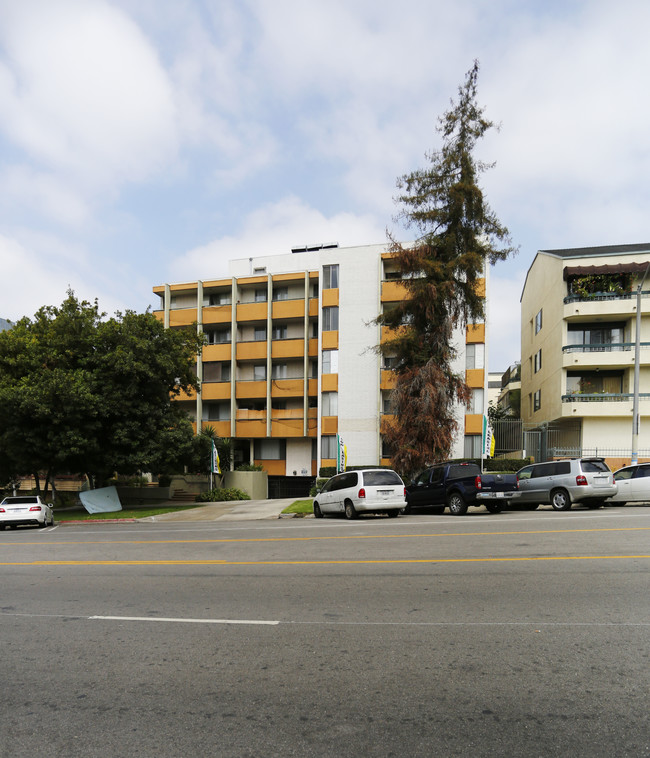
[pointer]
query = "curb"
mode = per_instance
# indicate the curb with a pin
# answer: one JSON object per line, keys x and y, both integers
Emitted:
{"x": 97, "y": 521}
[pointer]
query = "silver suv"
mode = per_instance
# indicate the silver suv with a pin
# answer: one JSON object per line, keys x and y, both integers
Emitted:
{"x": 562, "y": 483}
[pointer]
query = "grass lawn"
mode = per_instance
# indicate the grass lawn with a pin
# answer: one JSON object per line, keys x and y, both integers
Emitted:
{"x": 81, "y": 514}
{"x": 300, "y": 507}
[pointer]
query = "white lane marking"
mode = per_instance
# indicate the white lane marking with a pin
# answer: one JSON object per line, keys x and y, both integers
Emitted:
{"x": 184, "y": 621}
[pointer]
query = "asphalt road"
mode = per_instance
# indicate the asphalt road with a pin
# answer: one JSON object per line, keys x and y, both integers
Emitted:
{"x": 519, "y": 634}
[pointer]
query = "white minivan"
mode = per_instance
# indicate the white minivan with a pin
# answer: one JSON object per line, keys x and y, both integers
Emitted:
{"x": 363, "y": 491}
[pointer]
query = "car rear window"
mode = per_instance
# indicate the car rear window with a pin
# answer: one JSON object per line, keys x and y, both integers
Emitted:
{"x": 594, "y": 466}
{"x": 379, "y": 478}
{"x": 16, "y": 500}
{"x": 458, "y": 470}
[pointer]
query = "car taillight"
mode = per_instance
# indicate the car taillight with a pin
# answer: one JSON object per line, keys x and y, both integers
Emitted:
{"x": 581, "y": 480}
{"x": 2, "y": 510}
{"x": 404, "y": 491}
{"x": 362, "y": 493}
{"x": 477, "y": 482}
{"x": 35, "y": 508}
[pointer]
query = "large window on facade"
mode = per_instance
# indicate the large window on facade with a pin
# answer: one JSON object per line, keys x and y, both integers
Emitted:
{"x": 596, "y": 337}
{"x": 218, "y": 336}
{"x": 330, "y": 404}
{"x": 279, "y": 371}
{"x": 538, "y": 361}
{"x": 537, "y": 400}
{"x": 216, "y": 371}
{"x": 476, "y": 402}
{"x": 594, "y": 382}
{"x": 260, "y": 333}
{"x": 280, "y": 293}
{"x": 475, "y": 356}
{"x": 538, "y": 321}
{"x": 279, "y": 332}
{"x": 217, "y": 298}
{"x": 216, "y": 411}
{"x": 331, "y": 318}
{"x": 331, "y": 277}
{"x": 270, "y": 449}
{"x": 473, "y": 445}
{"x": 328, "y": 448}
{"x": 330, "y": 361}
{"x": 261, "y": 295}
{"x": 259, "y": 372}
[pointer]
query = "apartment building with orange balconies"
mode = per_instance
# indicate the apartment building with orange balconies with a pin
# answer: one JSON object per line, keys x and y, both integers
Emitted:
{"x": 290, "y": 362}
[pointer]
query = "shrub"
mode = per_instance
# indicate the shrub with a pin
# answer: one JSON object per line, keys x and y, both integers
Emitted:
{"x": 250, "y": 467}
{"x": 221, "y": 494}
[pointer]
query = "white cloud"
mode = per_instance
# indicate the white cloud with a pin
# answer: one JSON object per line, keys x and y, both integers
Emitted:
{"x": 274, "y": 229}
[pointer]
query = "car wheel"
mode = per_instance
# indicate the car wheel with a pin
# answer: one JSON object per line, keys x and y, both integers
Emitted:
{"x": 317, "y": 511}
{"x": 494, "y": 507}
{"x": 393, "y": 513}
{"x": 560, "y": 500}
{"x": 350, "y": 512}
{"x": 42, "y": 524}
{"x": 457, "y": 506}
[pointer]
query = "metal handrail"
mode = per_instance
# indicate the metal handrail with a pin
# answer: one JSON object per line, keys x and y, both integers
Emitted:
{"x": 601, "y": 397}
{"x": 602, "y": 296}
{"x": 602, "y": 347}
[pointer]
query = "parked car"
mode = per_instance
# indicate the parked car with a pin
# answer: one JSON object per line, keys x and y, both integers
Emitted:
{"x": 24, "y": 510}
{"x": 633, "y": 485}
{"x": 459, "y": 486}
{"x": 562, "y": 483}
{"x": 362, "y": 491}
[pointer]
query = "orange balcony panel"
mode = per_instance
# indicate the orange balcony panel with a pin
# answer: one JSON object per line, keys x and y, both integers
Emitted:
{"x": 475, "y": 333}
{"x": 329, "y": 383}
{"x": 194, "y": 426}
{"x": 313, "y": 413}
{"x": 386, "y": 422}
{"x": 217, "y": 314}
{"x": 388, "y": 256}
{"x": 295, "y": 277}
{"x": 312, "y": 387}
{"x": 182, "y": 317}
{"x": 388, "y": 379}
{"x": 475, "y": 378}
{"x": 252, "y": 311}
{"x": 288, "y": 309}
{"x": 159, "y": 289}
{"x": 217, "y": 352}
{"x": 217, "y": 283}
{"x": 388, "y": 334}
{"x": 287, "y": 388}
{"x": 385, "y": 462}
{"x": 160, "y": 315}
{"x": 189, "y": 288}
{"x": 330, "y": 340}
{"x": 330, "y": 297}
{"x": 245, "y": 414}
{"x": 313, "y": 347}
{"x": 329, "y": 424}
{"x": 329, "y": 462}
{"x": 473, "y": 423}
{"x": 215, "y": 390}
{"x": 191, "y": 395}
{"x": 287, "y": 427}
{"x": 480, "y": 287}
{"x": 250, "y": 428}
{"x": 275, "y": 468}
{"x": 221, "y": 428}
{"x": 245, "y": 390}
{"x": 287, "y": 413}
{"x": 313, "y": 306}
{"x": 251, "y": 351}
{"x": 393, "y": 292}
{"x": 287, "y": 348}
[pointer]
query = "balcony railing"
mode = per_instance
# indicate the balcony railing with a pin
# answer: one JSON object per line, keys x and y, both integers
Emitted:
{"x": 603, "y": 347}
{"x": 603, "y": 296}
{"x": 602, "y": 397}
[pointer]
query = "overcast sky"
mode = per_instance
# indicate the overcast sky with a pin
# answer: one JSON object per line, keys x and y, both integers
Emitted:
{"x": 147, "y": 141}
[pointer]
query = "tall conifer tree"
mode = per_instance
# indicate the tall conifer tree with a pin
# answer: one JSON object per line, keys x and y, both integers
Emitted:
{"x": 458, "y": 234}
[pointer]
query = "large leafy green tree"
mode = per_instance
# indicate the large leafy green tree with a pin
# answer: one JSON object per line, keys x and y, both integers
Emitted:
{"x": 457, "y": 235}
{"x": 81, "y": 393}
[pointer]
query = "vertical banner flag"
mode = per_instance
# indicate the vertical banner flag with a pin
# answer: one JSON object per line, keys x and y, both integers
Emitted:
{"x": 215, "y": 467}
{"x": 488, "y": 439}
{"x": 341, "y": 455}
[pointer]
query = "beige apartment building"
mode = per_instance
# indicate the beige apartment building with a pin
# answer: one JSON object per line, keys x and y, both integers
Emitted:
{"x": 578, "y": 332}
{"x": 290, "y": 361}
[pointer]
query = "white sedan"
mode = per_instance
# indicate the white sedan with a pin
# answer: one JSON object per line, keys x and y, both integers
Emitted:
{"x": 25, "y": 510}
{"x": 633, "y": 483}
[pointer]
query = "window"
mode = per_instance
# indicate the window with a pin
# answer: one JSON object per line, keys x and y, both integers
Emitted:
{"x": 475, "y": 356}
{"x": 314, "y": 290}
{"x": 597, "y": 337}
{"x": 538, "y": 321}
{"x": 216, "y": 411}
{"x": 331, "y": 277}
{"x": 218, "y": 336}
{"x": 216, "y": 371}
{"x": 259, "y": 372}
{"x": 390, "y": 362}
{"x": 279, "y": 332}
{"x": 473, "y": 446}
{"x": 537, "y": 400}
{"x": 538, "y": 361}
{"x": 260, "y": 270}
{"x": 331, "y": 319}
{"x": 260, "y": 333}
{"x": 386, "y": 449}
{"x": 269, "y": 449}
{"x": 261, "y": 295}
{"x": 596, "y": 383}
{"x": 330, "y": 404}
{"x": 476, "y": 401}
{"x": 328, "y": 448}
{"x": 280, "y": 293}
{"x": 279, "y": 371}
{"x": 385, "y": 402}
{"x": 217, "y": 298}
{"x": 330, "y": 361}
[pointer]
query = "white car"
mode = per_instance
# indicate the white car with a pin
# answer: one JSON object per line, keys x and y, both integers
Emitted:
{"x": 362, "y": 491}
{"x": 25, "y": 510}
{"x": 633, "y": 484}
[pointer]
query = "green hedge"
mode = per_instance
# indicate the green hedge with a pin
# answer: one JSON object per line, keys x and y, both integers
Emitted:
{"x": 220, "y": 494}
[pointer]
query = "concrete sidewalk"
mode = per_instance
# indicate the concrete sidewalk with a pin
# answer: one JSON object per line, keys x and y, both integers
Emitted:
{"x": 236, "y": 510}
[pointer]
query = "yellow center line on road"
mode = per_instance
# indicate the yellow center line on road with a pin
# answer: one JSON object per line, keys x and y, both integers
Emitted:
{"x": 329, "y": 562}
{"x": 321, "y": 538}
